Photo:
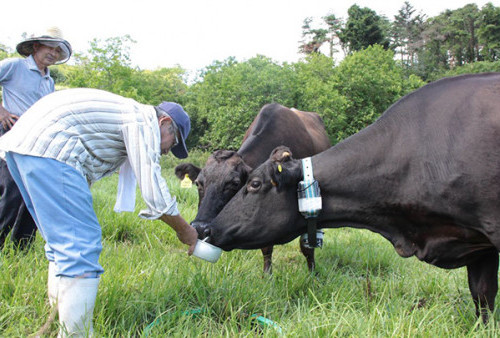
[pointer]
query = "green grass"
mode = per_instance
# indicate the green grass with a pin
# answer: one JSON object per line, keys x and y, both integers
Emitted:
{"x": 361, "y": 288}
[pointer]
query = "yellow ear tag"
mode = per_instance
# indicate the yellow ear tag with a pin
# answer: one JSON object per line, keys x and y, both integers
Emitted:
{"x": 280, "y": 169}
{"x": 186, "y": 182}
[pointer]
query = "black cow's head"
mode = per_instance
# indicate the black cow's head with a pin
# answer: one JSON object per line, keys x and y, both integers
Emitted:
{"x": 265, "y": 211}
{"x": 223, "y": 175}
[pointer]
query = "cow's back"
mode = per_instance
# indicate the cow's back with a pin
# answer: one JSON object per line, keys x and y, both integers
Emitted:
{"x": 315, "y": 126}
{"x": 303, "y": 132}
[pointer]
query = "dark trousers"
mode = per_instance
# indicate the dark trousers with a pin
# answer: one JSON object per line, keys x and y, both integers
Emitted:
{"x": 14, "y": 216}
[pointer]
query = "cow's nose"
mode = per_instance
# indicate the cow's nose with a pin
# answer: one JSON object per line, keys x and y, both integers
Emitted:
{"x": 206, "y": 232}
{"x": 201, "y": 228}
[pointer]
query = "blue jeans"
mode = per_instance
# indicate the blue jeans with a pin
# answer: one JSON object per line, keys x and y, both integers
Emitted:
{"x": 59, "y": 199}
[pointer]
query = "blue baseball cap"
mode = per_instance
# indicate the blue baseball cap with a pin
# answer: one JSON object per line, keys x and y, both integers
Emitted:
{"x": 181, "y": 119}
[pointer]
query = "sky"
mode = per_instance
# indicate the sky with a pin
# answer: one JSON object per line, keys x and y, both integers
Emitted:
{"x": 192, "y": 33}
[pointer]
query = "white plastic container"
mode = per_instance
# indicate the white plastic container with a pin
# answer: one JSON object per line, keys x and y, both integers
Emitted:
{"x": 207, "y": 251}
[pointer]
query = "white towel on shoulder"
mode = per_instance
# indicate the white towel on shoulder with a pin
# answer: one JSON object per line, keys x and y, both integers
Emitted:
{"x": 125, "y": 197}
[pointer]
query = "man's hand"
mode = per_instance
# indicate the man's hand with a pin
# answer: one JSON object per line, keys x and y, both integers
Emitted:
{"x": 7, "y": 119}
{"x": 185, "y": 232}
{"x": 188, "y": 236}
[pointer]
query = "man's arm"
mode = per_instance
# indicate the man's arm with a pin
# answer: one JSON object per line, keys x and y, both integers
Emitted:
{"x": 143, "y": 156}
{"x": 186, "y": 233}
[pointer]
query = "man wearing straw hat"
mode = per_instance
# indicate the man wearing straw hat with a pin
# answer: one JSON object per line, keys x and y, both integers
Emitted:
{"x": 24, "y": 81}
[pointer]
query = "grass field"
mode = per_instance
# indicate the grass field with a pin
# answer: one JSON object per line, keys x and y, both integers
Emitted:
{"x": 151, "y": 288}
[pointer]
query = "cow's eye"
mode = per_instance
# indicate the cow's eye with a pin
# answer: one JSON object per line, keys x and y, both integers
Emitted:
{"x": 254, "y": 185}
{"x": 234, "y": 184}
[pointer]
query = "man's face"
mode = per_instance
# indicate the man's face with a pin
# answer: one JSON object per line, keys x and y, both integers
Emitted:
{"x": 169, "y": 137}
{"x": 46, "y": 56}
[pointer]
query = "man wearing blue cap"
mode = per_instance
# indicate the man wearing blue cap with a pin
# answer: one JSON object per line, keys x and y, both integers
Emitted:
{"x": 65, "y": 142}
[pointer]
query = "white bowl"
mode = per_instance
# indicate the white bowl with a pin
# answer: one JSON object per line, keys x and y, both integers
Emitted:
{"x": 207, "y": 251}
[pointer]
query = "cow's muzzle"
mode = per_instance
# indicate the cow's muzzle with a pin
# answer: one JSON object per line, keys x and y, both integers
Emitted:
{"x": 202, "y": 228}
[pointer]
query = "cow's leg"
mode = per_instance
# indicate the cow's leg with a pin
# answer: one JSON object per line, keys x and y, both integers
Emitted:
{"x": 483, "y": 282}
{"x": 267, "y": 252}
{"x": 309, "y": 255}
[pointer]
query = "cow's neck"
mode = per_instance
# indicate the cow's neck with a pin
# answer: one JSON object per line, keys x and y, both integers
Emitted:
{"x": 354, "y": 178}
{"x": 251, "y": 157}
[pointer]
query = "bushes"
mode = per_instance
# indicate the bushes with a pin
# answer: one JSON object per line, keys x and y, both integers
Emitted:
{"x": 231, "y": 94}
{"x": 348, "y": 97}
{"x": 370, "y": 81}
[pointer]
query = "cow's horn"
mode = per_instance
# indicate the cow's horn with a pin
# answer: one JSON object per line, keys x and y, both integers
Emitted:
{"x": 285, "y": 154}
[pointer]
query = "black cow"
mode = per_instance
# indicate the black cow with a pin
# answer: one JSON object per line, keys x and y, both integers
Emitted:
{"x": 226, "y": 171}
{"x": 426, "y": 176}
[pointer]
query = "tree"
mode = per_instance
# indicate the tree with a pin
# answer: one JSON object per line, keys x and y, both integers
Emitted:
{"x": 406, "y": 30}
{"x": 363, "y": 28}
{"x": 313, "y": 39}
{"x": 105, "y": 66}
{"x": 460, "y": 34}
{"x": 334, "y": 25}
{"x": 231, "y": 93}
{"x": 370, "y": 80}
{"x": 432, "y": 53}
{"x": 5, "y": 52}
{"x": 317, "y": 91}
{"x": 489, "y": 33}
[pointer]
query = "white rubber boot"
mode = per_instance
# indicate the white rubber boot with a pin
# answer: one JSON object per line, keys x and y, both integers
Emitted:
{"x": 53, "y": 284}
{"x": 76, "y": 300}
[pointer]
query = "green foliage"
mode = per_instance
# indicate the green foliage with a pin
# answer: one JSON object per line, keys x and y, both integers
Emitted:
{"x": 476, "y": 67}
{"x": 4, "y": 52}
{"x": 405, "y": 30}
{"x": 363, "y": 28}
{"x": 489, "y": 32}
{"x": 318, "y": 91}
{"x": 369, "y": 81}
{"x": 153, "y": 87}
{"x": 425, "y": 46}
{"x": 347, "y": 97}
{"x": 456, "y": 38}
{"x": 231, "y": 94}
{"x": 107, "y": 66}
{"x": 313, "y": 39}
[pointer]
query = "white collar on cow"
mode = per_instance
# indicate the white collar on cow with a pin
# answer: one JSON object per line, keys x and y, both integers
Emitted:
{"x": 310, "y": 204}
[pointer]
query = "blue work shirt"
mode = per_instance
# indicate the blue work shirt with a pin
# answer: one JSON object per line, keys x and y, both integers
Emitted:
{"x": 23, "y": 84}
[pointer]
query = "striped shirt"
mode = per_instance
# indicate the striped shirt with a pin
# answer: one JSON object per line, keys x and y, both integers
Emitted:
{"x": 94, "y": 131}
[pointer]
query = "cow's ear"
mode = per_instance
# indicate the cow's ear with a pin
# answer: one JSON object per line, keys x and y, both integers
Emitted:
{"x": 281, "y": 154}
{"x": 245, "y": 171}
{"x": 223, "y": 155}
{"x": 284, "y": 171}
{"x": 187, "y": 168}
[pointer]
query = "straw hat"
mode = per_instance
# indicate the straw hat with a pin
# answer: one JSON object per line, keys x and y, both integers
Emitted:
{"x": 52, "y": 37}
